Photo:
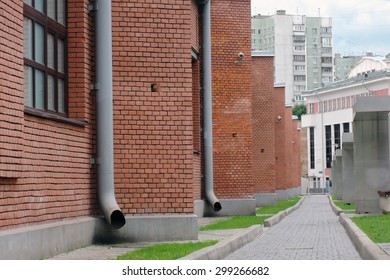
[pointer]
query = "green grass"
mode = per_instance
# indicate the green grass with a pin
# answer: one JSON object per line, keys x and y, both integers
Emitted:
{"x": 280, "y": 206}
{"x": 377, "y": 228}
{"x": 236, "y": 222}
{"x": 344, "y": 206}
{"x": 168, "y": 251}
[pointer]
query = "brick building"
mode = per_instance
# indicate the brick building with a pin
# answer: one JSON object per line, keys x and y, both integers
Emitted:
{"x": 51, "y": 124}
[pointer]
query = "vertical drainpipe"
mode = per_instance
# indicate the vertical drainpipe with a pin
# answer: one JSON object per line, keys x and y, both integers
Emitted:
{"x": 207, "y": 108}
{"x": 104, "y": 116}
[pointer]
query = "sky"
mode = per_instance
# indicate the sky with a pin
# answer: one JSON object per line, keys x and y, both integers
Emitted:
{"x": 359, "y": 26}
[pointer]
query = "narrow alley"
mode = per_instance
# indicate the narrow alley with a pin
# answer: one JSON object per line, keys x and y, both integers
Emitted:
{"x": 312, "y": 232}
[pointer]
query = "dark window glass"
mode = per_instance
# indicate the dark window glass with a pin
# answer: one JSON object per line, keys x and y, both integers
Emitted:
{"x": 44, "y": 42}
{"x": 312, "y": 150}
{"x": 337, "y": 140}
{"x": 328, "y": 145}
{"x": 346, "y": 127}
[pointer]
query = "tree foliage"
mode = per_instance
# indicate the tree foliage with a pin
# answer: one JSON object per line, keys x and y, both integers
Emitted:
{"x": 299, "y": 110}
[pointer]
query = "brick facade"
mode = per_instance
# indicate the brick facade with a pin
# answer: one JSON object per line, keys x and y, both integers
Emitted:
{"x": 46, "y": 172}
{"x": 196, "y": 101}
{"x": 280, "y": 138}
{"x": 11, "y": 89}
{"x": 288, "y": 148}
{"x": 263, "y": 125}
{"x": 50, "y": 164}
{"x": 153, "y": 129}
{"x": 296, "y": 158}
{"x": 232, "y": 99}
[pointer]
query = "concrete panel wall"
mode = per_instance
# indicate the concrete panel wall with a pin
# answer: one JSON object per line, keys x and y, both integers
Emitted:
{"x": 348, "y": 176}
{"x": 338, "y": 174}
{"x": 371, "y": 151}
{"x": 47, "y": 240}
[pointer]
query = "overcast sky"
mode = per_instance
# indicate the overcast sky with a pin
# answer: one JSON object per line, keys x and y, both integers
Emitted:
{"x": 359, "y": 26}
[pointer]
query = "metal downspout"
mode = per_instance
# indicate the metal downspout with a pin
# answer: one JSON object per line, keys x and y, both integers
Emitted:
{"x": 207, "y": 108}
{"x": 104, "y": 116}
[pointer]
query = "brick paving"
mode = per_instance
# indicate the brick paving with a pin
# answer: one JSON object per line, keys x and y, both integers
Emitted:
{"x": 312, "y": 232}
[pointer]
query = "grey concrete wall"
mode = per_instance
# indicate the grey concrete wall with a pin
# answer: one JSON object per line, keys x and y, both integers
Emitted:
{"x": 339, "y": 174}
{"x": 152, "y": 229}
{"x": 282, "y": 194}
{"x": 43, "y": 241}
{"x": 233, "y": 207}
{"x": 264, "y": 199}
{"x": 348, "y": 175}
{"x": 199, "y": 207}
{"x": 371, "y": 151}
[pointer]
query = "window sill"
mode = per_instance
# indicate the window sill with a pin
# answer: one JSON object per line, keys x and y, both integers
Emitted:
{"x": 53, "y": 117}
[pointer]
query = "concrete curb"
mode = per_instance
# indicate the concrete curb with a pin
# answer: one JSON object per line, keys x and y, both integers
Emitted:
{"x": 278, "y": 217}
{"x": 227, "y": 246}
{"x": 335, "y": 209}
{"x": 366, "y": 248}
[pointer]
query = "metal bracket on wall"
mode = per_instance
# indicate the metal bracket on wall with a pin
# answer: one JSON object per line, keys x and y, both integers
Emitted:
{"x": 93, "y": 7}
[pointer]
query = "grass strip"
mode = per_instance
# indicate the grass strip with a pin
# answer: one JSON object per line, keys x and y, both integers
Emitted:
{"x": 166, "y": 251}
{"x": 344, "y": 206}
{"x": 280, "y": 206}
{"x": 377, "y": 228}
{"x": 236, "y": 222}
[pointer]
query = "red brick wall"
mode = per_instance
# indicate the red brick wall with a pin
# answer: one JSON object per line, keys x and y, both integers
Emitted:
{"x": 232, "y": 99}
{"x": 289, "y": 148}
{"x": 263, "y": 125}
{"x": 296, "y": 152}
{"x": 280, "y": 136}
{"x": 55, "y": 182}
{"x": 196, "y": 101}
{"x": 11, "y": 89}
{"x": 153, "y": 129}
{"x": 197, "y": 142}
{"x": 195, "y": 31}
{"x": 298, "y": 155}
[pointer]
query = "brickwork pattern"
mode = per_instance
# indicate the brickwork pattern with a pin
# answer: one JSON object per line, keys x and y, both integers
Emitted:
{"x": 232, "y": 99}
{"x": 11, "y": 89}
{"x": 280, "y": 136}
{"x": 153, "y": 116}
{"x": 197, "y": 135}
{"x": 263, "y": 125}
{"x": 195, "y": 31}
{"x": 289, "y": 160}
{"x": 55, "y": 182}
{"x": 296, "y": 143}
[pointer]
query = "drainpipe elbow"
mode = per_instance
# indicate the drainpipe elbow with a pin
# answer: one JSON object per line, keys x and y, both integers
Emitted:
{"x": 111, "y": 211}
{"x": 213, "y": 201}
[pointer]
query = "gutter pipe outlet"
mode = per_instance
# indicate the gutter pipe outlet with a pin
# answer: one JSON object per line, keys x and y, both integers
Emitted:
{"x": 207, "y": 108}
{"x": 104, "y": 116}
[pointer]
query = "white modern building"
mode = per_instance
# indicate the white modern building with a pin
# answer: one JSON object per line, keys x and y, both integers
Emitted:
{"x": 303, "y": 50}
{"x": 370, "y": 64}
{"x": 330, "y": 113}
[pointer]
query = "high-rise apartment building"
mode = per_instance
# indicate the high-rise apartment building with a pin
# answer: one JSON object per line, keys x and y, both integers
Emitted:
{"x": 303, "y": 50}
{"x": 344, "y": 65}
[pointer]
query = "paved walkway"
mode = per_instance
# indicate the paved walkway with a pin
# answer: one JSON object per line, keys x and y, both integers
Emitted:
{"x": 311, "y": 232}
